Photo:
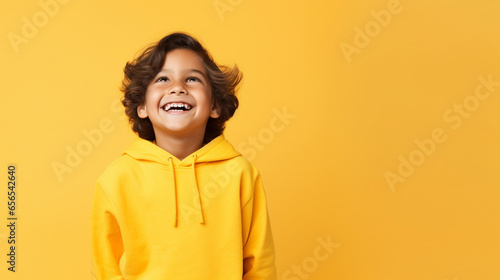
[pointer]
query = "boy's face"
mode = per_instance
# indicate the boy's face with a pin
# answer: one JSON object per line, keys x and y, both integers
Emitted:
{"x": 179, "y": 98}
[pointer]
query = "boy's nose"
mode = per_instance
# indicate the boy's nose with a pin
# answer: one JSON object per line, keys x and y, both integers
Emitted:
{"x": 177, "y": 89}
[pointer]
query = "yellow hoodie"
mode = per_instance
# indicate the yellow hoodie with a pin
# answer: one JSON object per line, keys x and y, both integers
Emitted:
{"x": 155, "y": 217}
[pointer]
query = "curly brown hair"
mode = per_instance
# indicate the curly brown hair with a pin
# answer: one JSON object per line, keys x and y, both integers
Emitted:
{"x": 140, "y": 72}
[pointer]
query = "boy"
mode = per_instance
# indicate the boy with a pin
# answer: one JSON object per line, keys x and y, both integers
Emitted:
{"x": 180, "y": 203}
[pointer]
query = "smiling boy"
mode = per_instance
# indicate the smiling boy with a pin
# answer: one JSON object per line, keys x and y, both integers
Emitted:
{"x": 179, "y": 103}
{"x": 180, "y": 203}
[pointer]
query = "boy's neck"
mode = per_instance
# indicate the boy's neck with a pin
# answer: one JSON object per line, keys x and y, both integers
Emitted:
{"x": 180, "y": 146}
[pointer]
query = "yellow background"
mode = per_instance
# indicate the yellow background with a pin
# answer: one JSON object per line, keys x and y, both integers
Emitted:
{"x": 355, "y": 116}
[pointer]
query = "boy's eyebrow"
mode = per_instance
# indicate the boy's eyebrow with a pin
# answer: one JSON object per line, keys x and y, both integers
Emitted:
{"x": 188, "y": 70}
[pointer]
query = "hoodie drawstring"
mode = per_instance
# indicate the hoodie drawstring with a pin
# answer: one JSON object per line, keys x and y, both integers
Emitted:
{"x": 174, "y": 185}
{"x": 197, "y": 190}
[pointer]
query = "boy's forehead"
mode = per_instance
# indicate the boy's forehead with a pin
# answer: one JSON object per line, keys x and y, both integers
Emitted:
{"x": 183, "y": 58}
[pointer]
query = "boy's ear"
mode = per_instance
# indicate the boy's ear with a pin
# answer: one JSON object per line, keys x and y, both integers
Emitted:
{"x": 215, "y": 111}
{"x": 141, "y": 111}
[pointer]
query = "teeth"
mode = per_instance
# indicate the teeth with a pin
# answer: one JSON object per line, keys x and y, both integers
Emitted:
{"x": 177, "y": 105}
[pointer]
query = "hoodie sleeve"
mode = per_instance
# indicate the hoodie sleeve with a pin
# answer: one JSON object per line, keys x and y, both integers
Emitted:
{"x": 258, "y": 247}
{"x": 106, "y": 240}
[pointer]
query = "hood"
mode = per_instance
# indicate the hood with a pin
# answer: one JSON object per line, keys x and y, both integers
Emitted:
{"x": 218, "y": 149}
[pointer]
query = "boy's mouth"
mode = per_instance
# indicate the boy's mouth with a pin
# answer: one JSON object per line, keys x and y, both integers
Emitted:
{"x": 176, "y": 107}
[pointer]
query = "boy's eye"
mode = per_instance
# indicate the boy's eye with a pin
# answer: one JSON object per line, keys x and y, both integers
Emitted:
{"x": 192, "y": 79}
{"x": 161, "y": 79}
